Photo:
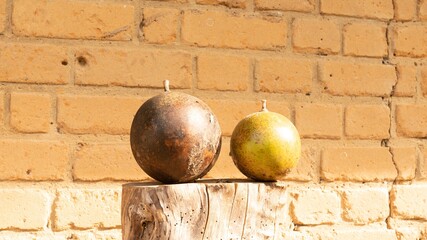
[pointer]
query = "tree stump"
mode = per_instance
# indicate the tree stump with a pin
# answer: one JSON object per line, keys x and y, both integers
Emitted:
{"x": 205, "y": 210}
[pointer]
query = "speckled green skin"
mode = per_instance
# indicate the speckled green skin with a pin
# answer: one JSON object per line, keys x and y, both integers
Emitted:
{"x": 265, "y": 145}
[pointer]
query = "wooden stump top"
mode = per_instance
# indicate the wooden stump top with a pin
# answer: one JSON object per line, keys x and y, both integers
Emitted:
{"x": 237, "y": 209}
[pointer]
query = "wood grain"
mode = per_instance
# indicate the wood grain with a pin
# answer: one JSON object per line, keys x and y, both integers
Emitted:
{"x": 205, "y": 210}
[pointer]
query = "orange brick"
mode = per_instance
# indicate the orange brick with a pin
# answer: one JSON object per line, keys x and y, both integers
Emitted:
{"x": 380, "y": 9}
{"x": 306, "y": 169}
{"x": 316, "y": 206}
{"x": 87, "y": 208}
{"x": 160, "y": 25}
{"x": 405, "y": 159}
{"x": 2, "y": 15}
{"x": 409, "y": 202}
{"x": 24, "y": 209}
{"x": 146, "y": 68}
{"x": 280, "y": 75}
{"x": 30, "y": 112}
{"x": 367, "y": 121}
{"x": 96, "y": 114}
{"x": 289, "y": 5}
{"x": 235, "y": 111}
{"x": 222, "y": 72}
{"x": 358, "y": 39}
{"x": 73, "y": 19}
{"x": 423, "y": 9}
{"x": 366, "y": 205}
{"x": 356, "y": 79}
{"x": 224, "y": 167}
{"x": 227, "y": 3}
{"x": 316, "y": 36}
{"x": 409, "y": 40}
{"x": 43, "y": 63}
{"x": 405, "y": 10}
{"x": 411, "y": 120}
{"x": 96, "y": 162}
{"x": 221, "y": 29}
{"x": 33, "y": 160}
{"x": 424, "y": 80}
{"x": 319, "y": 120}
{"x": 406, "y": 81}
{"x": 357, "y": 164}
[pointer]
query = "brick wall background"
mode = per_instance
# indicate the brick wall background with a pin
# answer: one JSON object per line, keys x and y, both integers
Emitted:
{"x": 351, "y": 75}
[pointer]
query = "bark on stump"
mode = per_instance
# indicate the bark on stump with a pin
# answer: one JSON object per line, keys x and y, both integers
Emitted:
{"x": 205, "y": 210}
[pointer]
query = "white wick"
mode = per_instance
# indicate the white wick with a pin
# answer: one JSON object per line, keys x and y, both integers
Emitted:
{"x": 166, "y": 85}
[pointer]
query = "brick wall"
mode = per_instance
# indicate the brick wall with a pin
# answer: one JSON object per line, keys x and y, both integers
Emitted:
{"x": 351, "y": 75}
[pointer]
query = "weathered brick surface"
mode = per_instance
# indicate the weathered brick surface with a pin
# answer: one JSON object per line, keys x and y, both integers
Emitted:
{"x": 358, "y": 39}
{"x": 351, "y": 74}
{"x": 405, "y": 159}
{"x": 409, "y": 40}
{"x": 43, "y": 63}
{"x": 30, "y": 112}
{"x": 203, "y": 28}
{"x": 357, "y": 164}
{"x": 114, "y": 234}
{"x": 227, "y": 3}
{"x": 357, "y": 79}
{"x": 24, "y": 209}
{"x": 316, "y": 206}
{"x": 411, "y": 120}
{"x": 405, "y": 198}
{"x": 366, "y": 205}
{"x": 406, "y": 81}
{"x": 73, "y": 19}
{"x": 160, "y": 25}
{"x": 381, "y": 9}
{"x": 87, "y": 208}
{"x": 96, "y": 114}
{"x": 33, "y": 160}
{"x": 223, "y": 73}
{"x": 135, "y": 68}
{"x": 279, "y": 75}
{"x": 290, "y": 5}
{"x": 405, "y": 10}
{"x": 319, "y": 120}
{"x": 95, "y": 162}
{"x": 350, "y": 233}
{"x": 315, "y": 35}
{"x": 367, "y": 121}
{"x": 235, "y": 111}
{"x": 2, "y": 15}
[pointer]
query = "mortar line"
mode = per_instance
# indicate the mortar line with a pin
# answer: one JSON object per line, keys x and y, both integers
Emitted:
{"x": 7, "y": 113}
{"x": 137, "y": 22}
{"x": 253, "y": 81}
{"x": 195, "y": 74}
{"x": 8, "y": 21}
{"x": 251, "y": 6}
{"x": 178, "y": 39}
